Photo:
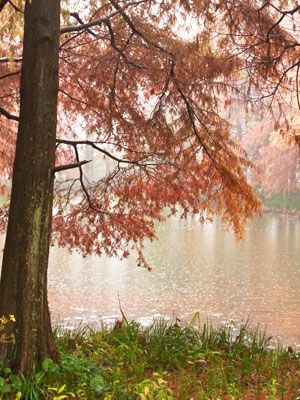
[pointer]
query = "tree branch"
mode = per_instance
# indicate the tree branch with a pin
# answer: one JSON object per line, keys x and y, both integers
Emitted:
{"x": 285, "y": 12}
{"x": 2, "y": 4}
{"x": 81, "y": 179}
{"x": 77, "y": 17}
{"x": 116, "y": 48}
{"x": 69, "y": 166}
{"x": 10, "y": 74}
{"x": 74, "y": 143}
{"x": 8, "y": 115}
{"x": 99, "y": 21}
{"x": 16, "y": 8}
{"x": 135, "y": 30}
{"x": 6, "y": 59}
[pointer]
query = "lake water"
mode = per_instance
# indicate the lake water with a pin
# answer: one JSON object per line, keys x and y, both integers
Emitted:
{"x": 196, "y": 268}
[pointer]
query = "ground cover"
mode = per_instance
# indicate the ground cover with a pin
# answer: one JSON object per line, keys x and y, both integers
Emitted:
{"x": 289, "y": 202}
{"x": 163, "y": 361}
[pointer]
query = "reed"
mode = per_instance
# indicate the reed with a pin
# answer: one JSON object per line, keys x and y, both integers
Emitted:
{"x": 162, "y": 361}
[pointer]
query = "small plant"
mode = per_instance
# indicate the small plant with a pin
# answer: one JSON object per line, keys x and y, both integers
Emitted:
{"x": 162, "y": 362}
{"x": 154, "y": 388}
{"x": 6, "y": 337}
{"x": 60, "y": 393}
{"x": 9, "y": 383}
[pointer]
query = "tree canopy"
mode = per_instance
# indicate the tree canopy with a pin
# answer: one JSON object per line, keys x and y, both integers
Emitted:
{"x": 147, "y": 85}
{"x": 275, "y": 154}
{"x": 150, "y": 81}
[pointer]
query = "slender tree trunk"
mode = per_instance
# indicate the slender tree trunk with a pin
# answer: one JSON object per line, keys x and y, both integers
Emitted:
{"x": 23, "y": 286}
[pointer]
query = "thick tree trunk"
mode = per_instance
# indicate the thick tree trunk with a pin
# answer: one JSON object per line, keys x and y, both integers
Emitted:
{"x": 23, "y": 286}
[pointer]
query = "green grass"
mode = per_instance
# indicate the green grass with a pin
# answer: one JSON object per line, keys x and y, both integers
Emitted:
{"x": 289, "y": 202}
{"x": 164, "y": 361}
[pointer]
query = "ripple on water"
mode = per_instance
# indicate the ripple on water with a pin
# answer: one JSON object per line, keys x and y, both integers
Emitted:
{"x": 195, "y": 268}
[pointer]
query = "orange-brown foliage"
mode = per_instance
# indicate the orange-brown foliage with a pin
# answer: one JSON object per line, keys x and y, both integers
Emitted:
{"x": 144, "y": 87}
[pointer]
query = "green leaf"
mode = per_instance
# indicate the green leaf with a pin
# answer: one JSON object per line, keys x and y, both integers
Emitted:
{"x": 61, "y": 389}
{"x": 53, "y": 389}
{"x": 7, "y": 371}
{"x": 18, "y": 396}
{"x": 50, "y": 365}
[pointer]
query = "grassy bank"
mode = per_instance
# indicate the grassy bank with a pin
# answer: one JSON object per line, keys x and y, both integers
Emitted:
{"x": 160, "y": 362}
{"x": 289, "y": 202}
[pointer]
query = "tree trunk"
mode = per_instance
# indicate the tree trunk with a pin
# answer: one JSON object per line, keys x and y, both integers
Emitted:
{"x": 23, "y": 286}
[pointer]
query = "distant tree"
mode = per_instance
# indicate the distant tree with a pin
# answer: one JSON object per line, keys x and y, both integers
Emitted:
{"x": 143, "y": 83}
{"x": 272, "y": 145}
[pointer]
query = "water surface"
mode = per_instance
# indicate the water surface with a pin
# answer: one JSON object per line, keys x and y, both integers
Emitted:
{"x": 196, "y": 268}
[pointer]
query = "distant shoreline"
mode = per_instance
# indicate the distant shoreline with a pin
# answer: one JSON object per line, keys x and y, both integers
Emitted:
{"x": 280, "y": 210}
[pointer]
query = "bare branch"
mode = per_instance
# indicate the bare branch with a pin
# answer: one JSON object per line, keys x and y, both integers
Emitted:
{"x": 76, "y": 16}
{"x": 99, "y": 21}
{"x": 8, "y": 115}
{"x": 69, "y": 166}
{"x": 74, "y": 143}
{"x": 81, "y": 179}
{"x": 2, "y": 4}
{"x": 6, "y": 59}
{"x": 10, "y": 74}
{"x": 16, "y": 8}
{"x": 81, "y": 27}
{"x": 286, "y": 12}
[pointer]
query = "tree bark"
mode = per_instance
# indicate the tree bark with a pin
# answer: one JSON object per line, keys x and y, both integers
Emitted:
{"x": 23, "y": 286}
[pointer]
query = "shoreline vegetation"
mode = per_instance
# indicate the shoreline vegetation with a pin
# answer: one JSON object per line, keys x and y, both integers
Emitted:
{"x": 280, "y": 211}
{"x": 282, "y": 204}
{"x": 164, "y": 361}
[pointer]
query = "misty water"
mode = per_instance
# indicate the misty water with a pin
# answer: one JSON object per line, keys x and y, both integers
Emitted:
{"x": 196, "y": 268}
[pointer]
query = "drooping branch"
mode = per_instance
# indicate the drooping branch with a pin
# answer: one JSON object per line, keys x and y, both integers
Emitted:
{"x": 280, "y": 80}
{"x": 191, "y": 115}
{"x": 116, "y": 48}
{"x": 135, "y": 30}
